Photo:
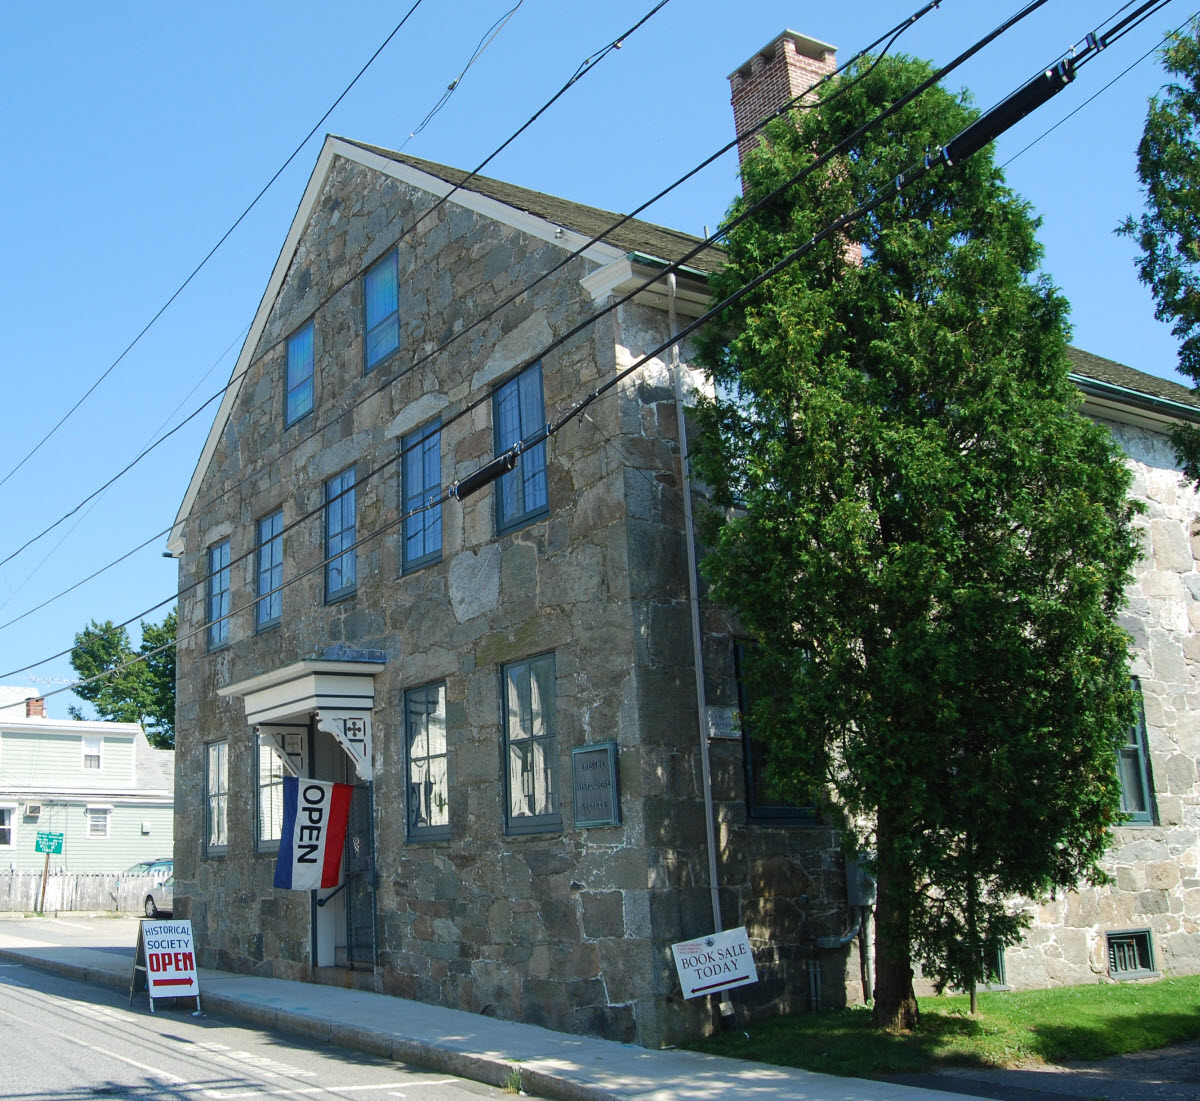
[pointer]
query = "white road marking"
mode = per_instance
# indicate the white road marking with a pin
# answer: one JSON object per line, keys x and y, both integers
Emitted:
{"x": 166, "y": 1075}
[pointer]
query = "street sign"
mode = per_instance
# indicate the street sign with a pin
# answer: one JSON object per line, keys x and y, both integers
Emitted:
{"x": 164, "y": 964}
{"x": 48, "y": 842}
{"x": 714, "y": 963}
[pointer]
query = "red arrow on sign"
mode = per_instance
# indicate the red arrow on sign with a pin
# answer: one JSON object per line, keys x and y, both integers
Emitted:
{"x": 172, "y": 982}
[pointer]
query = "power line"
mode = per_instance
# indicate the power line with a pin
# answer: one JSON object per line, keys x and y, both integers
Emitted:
{"x": 208, "y": 256}
{"x": 889, "y": 37}
{"x": 589, "y": 63}
{"x": 487, "y": 39}
{"x": 962, "y": 146}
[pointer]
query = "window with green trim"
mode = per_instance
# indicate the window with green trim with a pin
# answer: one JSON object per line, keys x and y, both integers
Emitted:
{"x": 1133, "y": 768}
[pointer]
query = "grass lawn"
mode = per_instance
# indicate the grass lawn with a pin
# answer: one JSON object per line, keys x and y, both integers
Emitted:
{"x": 1012, "y": 1028}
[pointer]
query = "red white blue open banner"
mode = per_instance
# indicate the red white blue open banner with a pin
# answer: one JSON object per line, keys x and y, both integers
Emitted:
{"x": 315, "y": 813}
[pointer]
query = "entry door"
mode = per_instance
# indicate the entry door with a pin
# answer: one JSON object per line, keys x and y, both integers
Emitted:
{"x": 344, "y": 929}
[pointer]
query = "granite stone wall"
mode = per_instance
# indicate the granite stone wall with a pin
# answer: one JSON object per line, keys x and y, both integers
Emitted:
{"x": 570, "y": 928}
{"x": 1155, "y": 868}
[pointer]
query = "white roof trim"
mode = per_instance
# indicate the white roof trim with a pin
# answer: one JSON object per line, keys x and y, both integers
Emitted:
{"x": 569, "y": 240}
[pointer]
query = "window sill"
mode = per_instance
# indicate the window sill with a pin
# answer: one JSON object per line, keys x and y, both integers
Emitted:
{"x": 1135, "y": 976}
{"x": 342, "y": 596}
{"x": 421, "y": 563}
{"x": 433, "y": 835}
{"x": 523, "y": 521}
{"x": 519, "y": 829}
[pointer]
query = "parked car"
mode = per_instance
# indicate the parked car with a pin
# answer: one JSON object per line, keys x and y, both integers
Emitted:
{"x": 159, "y": 868}
{"x": 160, "y": 902}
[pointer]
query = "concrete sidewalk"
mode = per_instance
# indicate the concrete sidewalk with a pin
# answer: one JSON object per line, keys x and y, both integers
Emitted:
{"x": 552, "y": 1064}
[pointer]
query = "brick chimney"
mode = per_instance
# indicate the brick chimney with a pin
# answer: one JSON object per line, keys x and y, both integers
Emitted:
{"x": 779, "y": 72}
{"x": 35, "y": 708}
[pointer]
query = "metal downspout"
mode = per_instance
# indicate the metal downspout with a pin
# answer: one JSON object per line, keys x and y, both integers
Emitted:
{"x": 694, "y": 602}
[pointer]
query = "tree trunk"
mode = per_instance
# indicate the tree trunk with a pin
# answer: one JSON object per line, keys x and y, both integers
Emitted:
{"x": 895, "y": 1002}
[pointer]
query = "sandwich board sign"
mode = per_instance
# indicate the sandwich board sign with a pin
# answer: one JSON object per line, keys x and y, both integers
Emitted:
{"x": 164, "y": 964}
{"x": 714, "y": 963}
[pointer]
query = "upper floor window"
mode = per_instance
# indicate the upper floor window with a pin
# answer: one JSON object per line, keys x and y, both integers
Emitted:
{"x": 298, "y": 386}
{"x": 531, "y": 745}
{"x": 269, "y": 571}
{"x": 422, "y": 481}
{"x": 425, "y": 741}
{"x": 341, "y": 561}
{"x": 216, "y": 790}
{"x": 1133, "y": 768}
{"x": 270, "y": 797}
{"x": 91, "y": 752}
{"x": 519, "y": 412}
{"x": 381, "y": 287}
{"x": 218, "y": 594}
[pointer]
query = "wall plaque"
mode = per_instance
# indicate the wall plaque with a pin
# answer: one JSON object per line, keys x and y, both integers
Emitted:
{"x": 594, "y": 785}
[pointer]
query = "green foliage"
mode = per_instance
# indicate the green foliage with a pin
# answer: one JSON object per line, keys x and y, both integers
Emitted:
{"x": 925, "y": 539}
{"x": 1012, "y": 1029}
{"x": 137, "y": 692}
{"x": 1168, "y": 232}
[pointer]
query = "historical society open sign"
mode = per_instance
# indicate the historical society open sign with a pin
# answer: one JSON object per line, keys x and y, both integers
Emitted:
{"x": 715, "y": 963}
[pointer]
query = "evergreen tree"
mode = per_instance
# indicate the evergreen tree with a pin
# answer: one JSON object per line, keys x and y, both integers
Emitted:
{"x": 924, "y": 538}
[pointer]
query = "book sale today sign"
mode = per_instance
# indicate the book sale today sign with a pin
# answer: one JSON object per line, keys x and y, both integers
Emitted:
{"x": 715, "y": 963}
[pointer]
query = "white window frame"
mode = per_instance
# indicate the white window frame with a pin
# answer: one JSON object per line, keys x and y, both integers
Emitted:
{"x": 98, "y": 741}
{"x": 9, "y": 810}
{"x": 272, "y": 788}
{"x": 90, "y": 812}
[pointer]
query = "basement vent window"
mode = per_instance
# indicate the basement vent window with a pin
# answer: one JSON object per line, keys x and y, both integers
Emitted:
{"x": 1130, "y": 955}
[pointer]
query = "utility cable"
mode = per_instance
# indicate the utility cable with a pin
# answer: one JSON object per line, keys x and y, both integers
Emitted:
{"x": 962, "y": 146}
{"x": 196, "y": 270}
{"x": 487, "y": 39}
{"x": 589, "y": 63}
{"x": 889, "y": 37}
{"x": 1123, "y": 73}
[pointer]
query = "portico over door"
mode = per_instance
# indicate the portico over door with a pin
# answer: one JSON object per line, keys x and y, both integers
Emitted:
{"x": 337, "y": 695}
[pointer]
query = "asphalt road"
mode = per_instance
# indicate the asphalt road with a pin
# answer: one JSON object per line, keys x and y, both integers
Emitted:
{"x": 65, "y": 1040}
{"x": 1168, "y": 1074}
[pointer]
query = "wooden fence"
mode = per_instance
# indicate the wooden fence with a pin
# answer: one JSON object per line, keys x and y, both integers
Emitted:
{"x": 21, "y": 892}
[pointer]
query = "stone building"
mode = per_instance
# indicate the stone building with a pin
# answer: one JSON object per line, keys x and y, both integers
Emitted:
{"x": 473, "y": 661}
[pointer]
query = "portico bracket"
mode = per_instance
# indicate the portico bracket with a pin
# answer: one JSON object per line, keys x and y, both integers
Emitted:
{"x": 352, "y": 731}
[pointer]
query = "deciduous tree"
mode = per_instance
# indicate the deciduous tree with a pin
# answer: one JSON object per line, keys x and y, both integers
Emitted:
{"x": 1168, "y": 232}
{"x": 926, "y": 540}
{"x": 126, "y": 689}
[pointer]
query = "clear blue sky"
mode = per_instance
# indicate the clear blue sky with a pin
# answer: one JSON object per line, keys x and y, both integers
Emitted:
{"x": 136, "y": 133}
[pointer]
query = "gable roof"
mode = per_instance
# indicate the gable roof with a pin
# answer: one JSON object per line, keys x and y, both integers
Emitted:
{"x": 654, "y": 241}
{"x": 1111, "y": 389}
{"x": 569, "y": 225}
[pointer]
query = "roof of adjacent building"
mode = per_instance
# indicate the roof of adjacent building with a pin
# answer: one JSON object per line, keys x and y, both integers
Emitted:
{"x": 633, "y": 235}
{"x": 1117, "y": 374}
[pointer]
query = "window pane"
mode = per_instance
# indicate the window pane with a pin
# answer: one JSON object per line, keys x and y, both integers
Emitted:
{"x": 382, "y": 304}
{"x": 342, "y": 565}
{"x": 269, "y": 608}
{"x": 218, "y": 594}
{"x": 5, "y": 827}
{"x": 270, "y": 794}
{"x": 532, "y": 735}
{"x": 217, "y": 784}
{"x": 422, "y": 480}
{"x": 428, "y": 785}
{"x": 298, "y": 385}
{"x": 519, "y": 412}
